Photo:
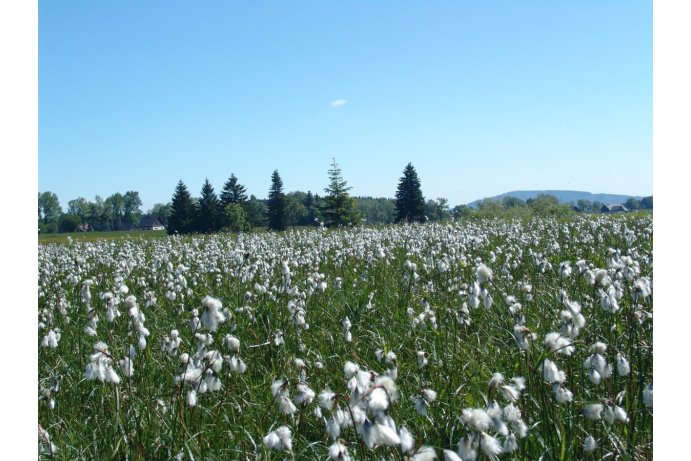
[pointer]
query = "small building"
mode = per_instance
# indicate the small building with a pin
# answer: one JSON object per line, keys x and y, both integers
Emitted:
{"x": 613, "y": 208}
{"x": 150, "y": 223}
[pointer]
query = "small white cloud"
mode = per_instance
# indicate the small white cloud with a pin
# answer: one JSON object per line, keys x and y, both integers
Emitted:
{"x": 336, "y": 103}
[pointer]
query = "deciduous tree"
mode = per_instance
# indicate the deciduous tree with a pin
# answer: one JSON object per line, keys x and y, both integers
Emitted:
{"x": 132, "y": 212}
{"x": 49, "y": 209}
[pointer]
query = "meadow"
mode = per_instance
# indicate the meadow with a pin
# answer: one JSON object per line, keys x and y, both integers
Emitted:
{"x": 67, "y": 237}
{"x": 474, "y": 340}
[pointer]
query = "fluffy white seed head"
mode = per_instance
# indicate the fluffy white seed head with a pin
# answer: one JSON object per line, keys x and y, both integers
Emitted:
{"x": 593, "y": 411}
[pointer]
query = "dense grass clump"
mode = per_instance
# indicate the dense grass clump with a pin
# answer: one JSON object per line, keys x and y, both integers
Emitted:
{"x": 475, "y": 340}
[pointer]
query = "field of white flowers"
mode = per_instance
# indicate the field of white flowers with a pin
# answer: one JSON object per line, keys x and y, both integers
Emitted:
{"x": 473, "y": 341}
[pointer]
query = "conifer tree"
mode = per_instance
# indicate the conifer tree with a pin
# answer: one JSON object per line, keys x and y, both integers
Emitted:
{"x": 233, "y": 192}
{"x": 410, "y": 204}
{"x": 339, "y": 208}
{"x": 277, "y": 204}
{"x": 208, "y": 209}
{"x": 182, "y": 211}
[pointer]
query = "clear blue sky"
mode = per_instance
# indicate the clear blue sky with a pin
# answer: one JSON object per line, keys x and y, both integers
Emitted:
{"x": 483, "y": 97}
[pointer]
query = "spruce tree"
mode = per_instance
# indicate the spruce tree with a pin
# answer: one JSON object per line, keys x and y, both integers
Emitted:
{"x": 233, "y": 192}
{"x": 410, "y": 204}
{"x": 339, "y": 208}
{"x": 277, "y": 204}
{"x": 208, "y": 209}
{"x": 181, "y": 220}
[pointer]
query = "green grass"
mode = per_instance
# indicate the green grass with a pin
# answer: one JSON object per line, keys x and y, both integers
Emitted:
{"x": 94, "y": 420}
{"x": 94, "y": 236}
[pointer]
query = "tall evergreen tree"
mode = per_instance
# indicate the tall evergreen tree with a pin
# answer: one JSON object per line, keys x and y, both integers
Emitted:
{"x": 277, "y": 204}
{"x": 339, "y": 208}
{"x": 410, "y": 204}
{"x": 182, "y": 211}
{"x": 208, "y": 209}
{"x": 233, "y": 192}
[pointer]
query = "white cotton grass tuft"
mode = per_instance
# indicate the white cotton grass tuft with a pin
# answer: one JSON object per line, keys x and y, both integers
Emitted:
{"x": 99, "y": 366}
{"x": 192, "y": 398}
{"x": 623, "y": 367}
{"x": 589, "y": 444}
{"x": 421, "y": 359}
{"x": 593, "y": 411}
{"x": 467, "y": 448}
{"x": 350, "y": 368}
{"x": 386, "y": 435}
{"x": 510, "y": 444}
{"x": 347, "y": 325}
{"x": 279, "y": 439}
{"x": 407, "y": 440}
{"x": 327, "y": 399}
{"x": 377, "y": 400}
{"x": 551, "y": 373}
{"x": 423, "y": 453}
{"x": 561, "y": 394}
{"x": 338, "y": 452}
{"x": 45, "y": 445}
{"x": 477, "y": 419}
{"x": 598, "y": 348}
{"x": 278, "y": 386}
{"x": 559, "y": 344}
{"x": 483, "y": 274}
{"x": 451, "y": 456}
{"x": 232, "y": 343}
{"x": 127, "y": 367}
{"x": 648, "y": 395}
{"x": 496, "y": 380}
{"x": 304, "y": 394}
{"x": 213, "y": 316}
{"x": 490, "y": 446}
{"x": 390, "y": 358}
{"x": 51, "y": 339}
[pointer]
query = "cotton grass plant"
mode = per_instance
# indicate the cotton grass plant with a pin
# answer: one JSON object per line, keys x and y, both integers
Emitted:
{"x": 475, "y": 340}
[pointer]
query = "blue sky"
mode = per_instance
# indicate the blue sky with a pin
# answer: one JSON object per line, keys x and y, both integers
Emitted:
{"x": 482, "y": 97}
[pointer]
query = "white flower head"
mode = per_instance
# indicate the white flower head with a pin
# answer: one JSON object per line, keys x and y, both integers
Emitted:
{"x": 350, "y": 368}
{"x": 483, "y": 274}
{"x": 623, "y": 367}
{"x": 490, "y": 445}
{"x": 593, "y": 411}
{"x": 648, "y": 395}
{"x": 338, "y": 452}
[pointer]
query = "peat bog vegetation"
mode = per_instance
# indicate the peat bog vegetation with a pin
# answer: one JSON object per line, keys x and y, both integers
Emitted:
{"x": 475, "y": 340}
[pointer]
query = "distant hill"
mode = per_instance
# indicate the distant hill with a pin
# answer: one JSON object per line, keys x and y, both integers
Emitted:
{"x": 564, "y": 196}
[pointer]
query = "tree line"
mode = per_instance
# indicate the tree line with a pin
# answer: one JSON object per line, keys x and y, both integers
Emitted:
{"x": 234, "y": 211}
{"x": 116, "y": 212}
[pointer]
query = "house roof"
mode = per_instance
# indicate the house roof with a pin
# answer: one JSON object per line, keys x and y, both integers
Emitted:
{"x": 150, "y": 221}
{"x": 614, "y": 207}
